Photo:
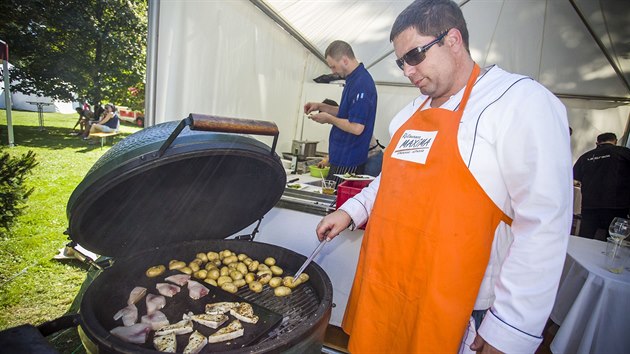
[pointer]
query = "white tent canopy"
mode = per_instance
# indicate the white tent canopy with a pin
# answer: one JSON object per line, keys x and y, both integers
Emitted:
{"x": 256, "y": 59}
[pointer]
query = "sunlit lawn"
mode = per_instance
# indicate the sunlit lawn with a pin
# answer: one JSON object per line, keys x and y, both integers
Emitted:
{"x": 34, "y": 287}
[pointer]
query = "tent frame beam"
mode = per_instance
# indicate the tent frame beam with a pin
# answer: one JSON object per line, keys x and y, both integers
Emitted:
{"x": 601, "y": 46}
{"x": 287, "y": 27}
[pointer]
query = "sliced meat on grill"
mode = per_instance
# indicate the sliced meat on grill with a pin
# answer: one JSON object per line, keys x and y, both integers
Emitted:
{"x": 219, "y": 308}
{"x": 136, "y": 333}
{"x": 136, "y": 294}
{"x": 167, "y": 289}
{"x": 212, "y": 321}
{"x": 166, "y": 343}
{"x": 154, "y": 303}
{"x": 196, "y": 342}
{"x": 157, "y": 320}
{"x": 179, "y": 279}
{"x": 244, "y": 312}
{"x": 196, "y": 290}
{"x": 231, "y": 331}
{"x": 129, "y": 315}
{"x": 181, "y": 327}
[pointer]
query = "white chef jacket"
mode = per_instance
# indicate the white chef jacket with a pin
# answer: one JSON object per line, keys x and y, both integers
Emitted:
{"x": 514, "y": 138}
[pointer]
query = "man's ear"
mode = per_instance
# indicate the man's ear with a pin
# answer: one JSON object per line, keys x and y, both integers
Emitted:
{"x": 454, "y": 39}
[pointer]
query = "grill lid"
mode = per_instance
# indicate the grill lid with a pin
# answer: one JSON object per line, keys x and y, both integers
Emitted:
{"x": 199, "y": 179}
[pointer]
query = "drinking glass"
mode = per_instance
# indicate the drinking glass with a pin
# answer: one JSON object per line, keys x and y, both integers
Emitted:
{"x": 619, "y": 229}
{"x": 328, "y": 187}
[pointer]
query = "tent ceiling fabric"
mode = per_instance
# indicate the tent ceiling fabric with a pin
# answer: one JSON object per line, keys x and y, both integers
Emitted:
{"x": 544, "y": 39}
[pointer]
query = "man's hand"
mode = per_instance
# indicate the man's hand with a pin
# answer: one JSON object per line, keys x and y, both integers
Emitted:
{"x": 332, "y": 224}
{"x": 310, "y": 107}
{"x": 323, "y": 163}
{"x": 321, "y": 117}
{"x": 480, "y": 346}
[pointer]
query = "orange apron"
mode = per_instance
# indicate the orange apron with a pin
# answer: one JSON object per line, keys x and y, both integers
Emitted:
{"x": 427, "y": 245}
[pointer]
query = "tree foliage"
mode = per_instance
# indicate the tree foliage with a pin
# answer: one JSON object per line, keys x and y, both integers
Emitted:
{"x": 13, "y": 193}
{"x": 77, "y": 49}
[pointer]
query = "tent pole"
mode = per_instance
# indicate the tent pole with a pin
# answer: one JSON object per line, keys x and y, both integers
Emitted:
{"x": 150, "y": 106}
{"x": 4, "y": 48}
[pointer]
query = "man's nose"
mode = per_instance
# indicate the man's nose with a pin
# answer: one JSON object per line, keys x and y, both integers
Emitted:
{"x": 408, "y": 70}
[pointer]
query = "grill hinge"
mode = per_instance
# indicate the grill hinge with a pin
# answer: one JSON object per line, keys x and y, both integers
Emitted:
{"x": 250, "y": 237}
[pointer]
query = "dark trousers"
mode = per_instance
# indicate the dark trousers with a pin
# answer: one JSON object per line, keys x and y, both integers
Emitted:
{"x": 599, "y": 219}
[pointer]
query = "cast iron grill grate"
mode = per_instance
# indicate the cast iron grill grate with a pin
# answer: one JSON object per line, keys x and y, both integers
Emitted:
{"x": 296, "y": 308}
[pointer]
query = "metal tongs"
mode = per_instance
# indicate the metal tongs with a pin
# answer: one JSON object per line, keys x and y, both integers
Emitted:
{"x": 310, "y": 258}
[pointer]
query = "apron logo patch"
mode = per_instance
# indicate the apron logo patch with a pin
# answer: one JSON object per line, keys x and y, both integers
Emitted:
{"x": 414, "y": 146}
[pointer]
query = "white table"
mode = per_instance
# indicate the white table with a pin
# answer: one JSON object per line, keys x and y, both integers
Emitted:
{"x": 592, "y": 307}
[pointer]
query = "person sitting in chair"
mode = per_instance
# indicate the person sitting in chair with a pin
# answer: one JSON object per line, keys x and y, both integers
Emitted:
{"x": 107, "y": 124}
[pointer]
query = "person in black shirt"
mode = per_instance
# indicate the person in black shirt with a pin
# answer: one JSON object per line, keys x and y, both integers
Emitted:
{"x": 85, "y": 115}
{"x": 604, "y": 176}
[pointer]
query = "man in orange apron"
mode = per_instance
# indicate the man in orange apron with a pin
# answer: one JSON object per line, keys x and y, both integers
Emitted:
{"x": 438, "y": 211}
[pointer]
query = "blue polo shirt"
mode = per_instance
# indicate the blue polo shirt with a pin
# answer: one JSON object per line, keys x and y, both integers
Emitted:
{"x": 358, "y": 105}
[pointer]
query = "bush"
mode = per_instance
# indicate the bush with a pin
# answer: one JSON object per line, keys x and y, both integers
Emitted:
{"x": 13, "y": 193}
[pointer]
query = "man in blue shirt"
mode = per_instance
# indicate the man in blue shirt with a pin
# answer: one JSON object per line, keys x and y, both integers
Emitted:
{"x": 353, "y": 121}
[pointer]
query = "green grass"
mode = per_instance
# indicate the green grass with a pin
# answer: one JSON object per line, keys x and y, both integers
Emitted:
{"x": 35, "y": 288}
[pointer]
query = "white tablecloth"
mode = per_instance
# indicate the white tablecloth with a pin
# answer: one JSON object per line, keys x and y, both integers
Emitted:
{"x": 593, "y": 305}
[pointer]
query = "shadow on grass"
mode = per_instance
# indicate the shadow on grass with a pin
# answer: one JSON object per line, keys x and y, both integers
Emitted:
{"x": 54, "y": 138}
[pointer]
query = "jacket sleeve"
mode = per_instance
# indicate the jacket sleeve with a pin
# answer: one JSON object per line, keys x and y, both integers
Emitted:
{"x": 533, "y": 152}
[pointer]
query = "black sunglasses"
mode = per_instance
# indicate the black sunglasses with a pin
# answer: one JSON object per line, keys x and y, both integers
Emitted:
{"x": 417, "y": 55}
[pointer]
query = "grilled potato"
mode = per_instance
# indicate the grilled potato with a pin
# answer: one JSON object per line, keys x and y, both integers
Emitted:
{"x": 235, "y": 274}
{"x": 194, "y": 266}
{"x": 202, "y": 256}
{"x": 288, "y": 282}
{"x": 241, "y": 267}
{"x": 255, "y": 287}
{"x": 281, "y": 291}
{"x": 270, "y": 261}
{"x": 276, "y": 270}
{"x": 253, "y": 266}
{"x": 186, "y": 270}
{"x": 239, "y": 283}
{"x": 250, "y": 277}
{"x": 201, "y": 274}
{"x": 210, "y": 265}
{"x": 175, "y": 264}
{"x": 212, "y": 256}
{"x": 229, "y": 287}
{"x": 155, "y": 271}
{"x": 213, "y": 274}
{"x": 211, "y": 281}
{"x": 264, "y": 278}
{"x": 230, "y": 259}
{"x": 263, "y": 267}
{"x": 223, "y": 279}
{"x": 275, "y": 282}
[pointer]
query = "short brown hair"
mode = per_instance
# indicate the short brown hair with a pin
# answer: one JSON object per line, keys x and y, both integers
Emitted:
{"x": 337, "y": 49}
{"x": 430, "y": 18}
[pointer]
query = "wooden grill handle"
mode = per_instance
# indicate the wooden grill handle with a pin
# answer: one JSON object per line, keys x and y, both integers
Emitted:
{"x": 232, "y": 125}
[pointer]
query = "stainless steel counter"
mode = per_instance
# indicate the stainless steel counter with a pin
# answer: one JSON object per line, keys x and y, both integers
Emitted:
{"x": 307, "y": 197}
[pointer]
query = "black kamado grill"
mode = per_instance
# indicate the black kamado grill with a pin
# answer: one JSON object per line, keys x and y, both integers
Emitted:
{"x": 177, "y": 189}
